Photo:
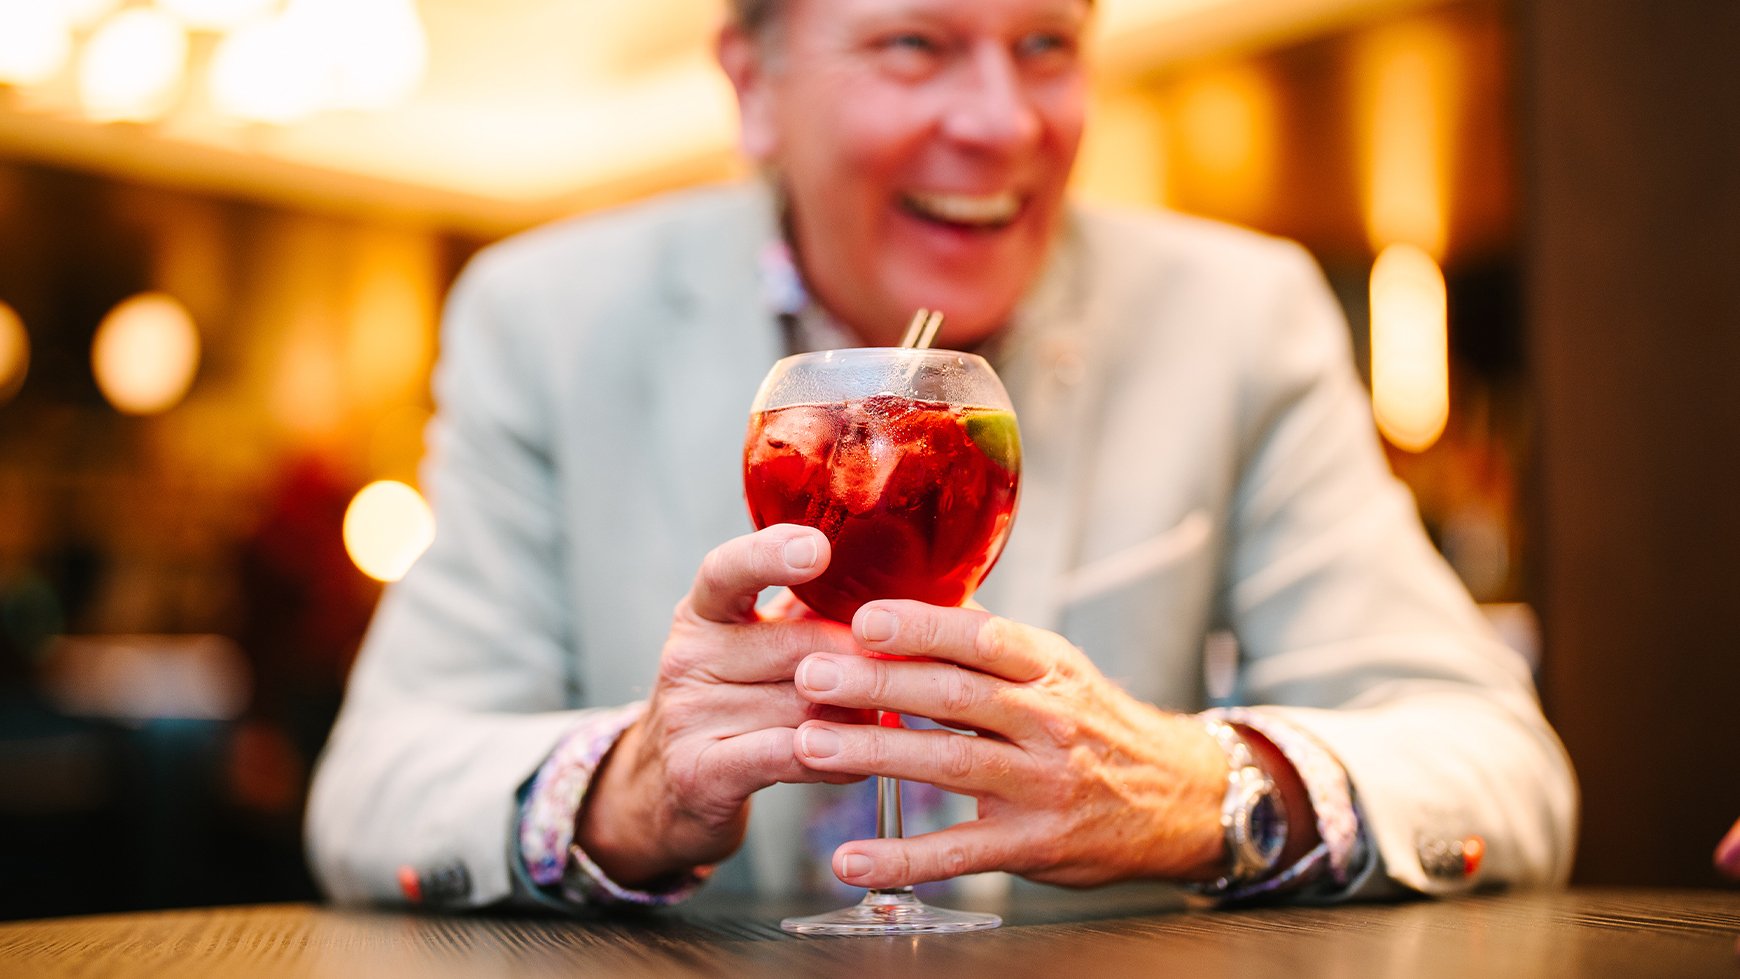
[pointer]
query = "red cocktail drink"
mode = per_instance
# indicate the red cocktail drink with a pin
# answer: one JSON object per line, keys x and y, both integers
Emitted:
{"x": 916, "y": 497}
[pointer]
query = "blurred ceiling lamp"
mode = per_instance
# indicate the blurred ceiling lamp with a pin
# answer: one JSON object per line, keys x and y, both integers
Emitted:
{"x": 145, "y": 354}
{"x": 387, "y": 527}
{"x": 375, "y": 51}
{"x": 1410, "y": 359}
{"x": 132, "y": 67}
{"x": 217, "y": 15}
{"x": 1407, "y": 89}
{"x": 35, "y": 40}
{"x": 268, "y": 72}
{"x": 14, "y": 353}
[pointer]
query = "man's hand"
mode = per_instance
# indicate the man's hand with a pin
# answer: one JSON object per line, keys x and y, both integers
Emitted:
{"x": 720, "y": 724}
{"x": 1077, "y": 782}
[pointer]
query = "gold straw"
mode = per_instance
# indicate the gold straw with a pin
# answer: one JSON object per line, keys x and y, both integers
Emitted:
{"x": 923, "y": 329}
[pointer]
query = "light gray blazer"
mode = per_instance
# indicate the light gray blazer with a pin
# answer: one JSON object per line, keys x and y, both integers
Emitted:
{"x": 1199, "y": 456}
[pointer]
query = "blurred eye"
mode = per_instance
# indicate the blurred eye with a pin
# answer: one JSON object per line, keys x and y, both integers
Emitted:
{"x": 1046, "y": 46}
{"x": 910, "y": 42}
{"x": 910, "y": 54}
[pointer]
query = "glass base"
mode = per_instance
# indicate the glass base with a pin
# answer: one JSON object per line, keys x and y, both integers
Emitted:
{"x": 890, "y": 913}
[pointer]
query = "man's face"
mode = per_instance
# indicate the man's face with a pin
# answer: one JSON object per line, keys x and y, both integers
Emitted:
{"x": 924, "y": 145}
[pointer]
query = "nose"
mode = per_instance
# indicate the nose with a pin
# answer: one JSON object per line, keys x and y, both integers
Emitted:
{"x": 990, "y": 108}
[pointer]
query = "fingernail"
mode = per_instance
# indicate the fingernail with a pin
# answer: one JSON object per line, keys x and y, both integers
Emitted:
{"x": 819, "y": 742}
{"x": 880, "y": 625}
{"x": 855, "y": 865}
{"x": 800, "y": 553}
{"x": 818, "y": 674}
{"x": 1728, "y": 852}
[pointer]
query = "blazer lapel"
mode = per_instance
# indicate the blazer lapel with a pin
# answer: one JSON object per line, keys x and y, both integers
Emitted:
{"x": 722, "y": 340}
{"x": 1046, "y": 362}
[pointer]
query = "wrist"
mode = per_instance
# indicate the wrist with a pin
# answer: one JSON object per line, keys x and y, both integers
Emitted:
{"x": 613, "y": 828}
{"x": 1206, "y": 837}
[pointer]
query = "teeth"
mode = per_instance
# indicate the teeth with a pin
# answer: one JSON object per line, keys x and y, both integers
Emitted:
{"x": 988, "y": 210}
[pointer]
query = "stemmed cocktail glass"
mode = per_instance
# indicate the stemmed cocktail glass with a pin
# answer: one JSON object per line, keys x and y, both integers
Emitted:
{"x": 909, "y": 461}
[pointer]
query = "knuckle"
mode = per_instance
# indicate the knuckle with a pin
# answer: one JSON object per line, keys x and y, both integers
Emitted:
{"x": 959, "y": 694}
{"x": 958, "y": 756}
{"x": 926, "y": 635}
{"x": 780, "y": 754}
{"x": 1062, "y": 729}
{"x": 714, "y": 576}
{"x": 881, "y": 682}
{"x": 953, "y": 860}
{"x": 991, "y": 642}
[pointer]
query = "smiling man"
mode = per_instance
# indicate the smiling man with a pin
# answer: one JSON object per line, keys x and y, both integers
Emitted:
{"x": 530, "y": 721}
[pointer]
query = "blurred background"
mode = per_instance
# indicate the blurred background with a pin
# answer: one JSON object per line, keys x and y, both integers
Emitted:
{"x": 226, "y": 228}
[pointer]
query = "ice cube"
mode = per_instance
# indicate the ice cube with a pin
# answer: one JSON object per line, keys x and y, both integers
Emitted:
{"x": 868, "y": 451}
{"x": 806, "y": 431}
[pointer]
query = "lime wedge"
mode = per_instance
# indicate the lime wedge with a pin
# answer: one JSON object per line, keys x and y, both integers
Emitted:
{"x": 995, "y": 434}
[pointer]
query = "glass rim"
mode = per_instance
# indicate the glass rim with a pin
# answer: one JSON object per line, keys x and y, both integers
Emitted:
{"x": 892, "y": 354}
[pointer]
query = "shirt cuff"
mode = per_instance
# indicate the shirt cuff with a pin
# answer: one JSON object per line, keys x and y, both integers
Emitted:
{"x": 1340, "y": 859}
{"x": 551, "y": 805}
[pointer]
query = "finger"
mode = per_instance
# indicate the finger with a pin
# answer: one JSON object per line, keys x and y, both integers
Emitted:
{"x": 941, "y": 691}
{"x": 979, "y": 767}
{"x": 756, "y": 652}
{"x": 966, "y": 848}
{"x": 733, "y": 709}
{"x": 735, "y": 572}
{"x": 733, "y": 768}
{"x": 975, "y": 639}
{"x": 1728, "y": 852}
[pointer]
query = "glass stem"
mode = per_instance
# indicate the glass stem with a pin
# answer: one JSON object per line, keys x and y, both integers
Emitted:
{"x": 888, "y": 828}
{"x": 888, "y": 808}
{"x": 888, "y": 824}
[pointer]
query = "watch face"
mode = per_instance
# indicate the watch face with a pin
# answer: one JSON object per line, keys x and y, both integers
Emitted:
{"x": 1268, "y": 826}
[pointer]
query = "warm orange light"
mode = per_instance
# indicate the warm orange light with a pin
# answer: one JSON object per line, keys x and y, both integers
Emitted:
{"x": 1122, "y": 159}
{"x": 216, "y": 15}
{"x": 1407, "y": 100}
{"x": 145, "y": 354}
{"x": 391, "y": 311}
{"x": 1410, "y": 360}
{"x": 1225, "y": 125}
{"x": 132, "y": 67}
{"x": 268, "y": 71}
{"x": 387, "y": 528}
{"x": 34, "y": 41}
{"x": 14, "y": 353}
{"x": 84, "y": 14}
{"x": 376, "y": 51}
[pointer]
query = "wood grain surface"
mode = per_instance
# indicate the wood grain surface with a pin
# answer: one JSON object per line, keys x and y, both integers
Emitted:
{"x": 1629, "y": 933}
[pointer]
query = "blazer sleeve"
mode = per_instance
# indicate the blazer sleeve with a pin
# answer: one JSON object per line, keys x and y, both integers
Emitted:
{"x": 1353, "y": 629}
{"x": 461, "y": 688}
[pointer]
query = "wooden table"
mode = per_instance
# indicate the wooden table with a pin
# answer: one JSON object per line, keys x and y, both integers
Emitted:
{"x": 1629, "y": 933}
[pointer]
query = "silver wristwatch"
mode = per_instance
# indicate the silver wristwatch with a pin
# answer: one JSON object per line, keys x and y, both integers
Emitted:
{"x": 1251, "y": 814}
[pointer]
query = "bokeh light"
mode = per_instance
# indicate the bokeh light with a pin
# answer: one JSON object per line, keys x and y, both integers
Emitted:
{"x": 1410, "y": 360}
{"x": 217, "y": 15}
{"x": 268, "y": 72}
{"x": 145, "y": 354}
{"x": 132, "y": 67}
{"x": 34, "y": 41}
{"x": 1408, "y": 80}
{"x": 1227, "y": 127}
{"x": 86, "y": 14}
{"x": 14, "y": 353}
{"x": 387, "y": 527}
{"x": 375, "y": 51}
